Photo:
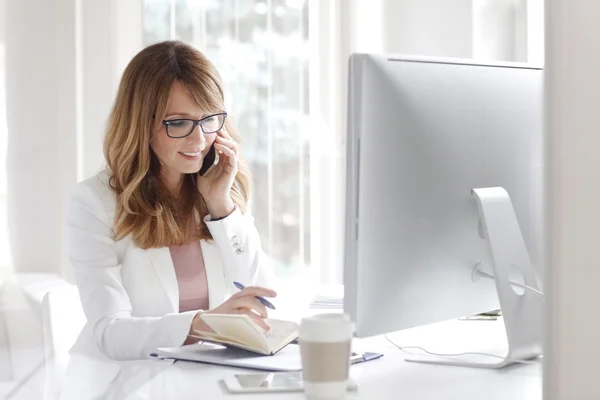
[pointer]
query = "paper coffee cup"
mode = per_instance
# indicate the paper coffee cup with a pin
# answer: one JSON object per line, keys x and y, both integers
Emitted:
{"x": 325, "y": 345}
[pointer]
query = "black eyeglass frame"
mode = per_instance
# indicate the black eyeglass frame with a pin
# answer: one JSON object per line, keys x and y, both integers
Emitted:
{"x": 167, "y": 122}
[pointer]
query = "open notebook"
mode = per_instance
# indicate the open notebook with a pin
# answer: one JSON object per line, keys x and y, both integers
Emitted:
{"x": 288, "y": 359}
{"x": 238, "y": 330}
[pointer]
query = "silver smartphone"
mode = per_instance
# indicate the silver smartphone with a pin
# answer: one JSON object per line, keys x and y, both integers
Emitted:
{"x": 269, "y": 382}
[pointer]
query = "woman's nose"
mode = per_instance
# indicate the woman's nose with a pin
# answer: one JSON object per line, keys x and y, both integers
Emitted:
{"x": 197, "y": 136}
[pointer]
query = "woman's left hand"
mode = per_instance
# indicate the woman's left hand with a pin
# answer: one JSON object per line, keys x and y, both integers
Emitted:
{"x": 215, "y": 186}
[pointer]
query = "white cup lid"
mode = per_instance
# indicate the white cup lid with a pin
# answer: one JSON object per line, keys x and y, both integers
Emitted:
{"x": 326, "y": 328}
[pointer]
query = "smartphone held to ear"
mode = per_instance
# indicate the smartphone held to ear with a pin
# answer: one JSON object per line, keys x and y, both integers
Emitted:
{"x": 210, "y": 160}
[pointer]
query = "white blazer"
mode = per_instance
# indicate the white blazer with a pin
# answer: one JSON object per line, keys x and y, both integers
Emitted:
{"x": 129, "y": 295}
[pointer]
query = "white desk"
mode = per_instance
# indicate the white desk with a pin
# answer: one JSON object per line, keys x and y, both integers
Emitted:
{"x": 387, "y": 378}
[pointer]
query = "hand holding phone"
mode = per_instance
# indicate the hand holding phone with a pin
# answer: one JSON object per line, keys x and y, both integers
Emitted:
{"x": 218, "y": 174}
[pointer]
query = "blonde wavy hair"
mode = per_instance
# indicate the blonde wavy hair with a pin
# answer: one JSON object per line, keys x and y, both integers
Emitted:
{"x": 145, "y": 207}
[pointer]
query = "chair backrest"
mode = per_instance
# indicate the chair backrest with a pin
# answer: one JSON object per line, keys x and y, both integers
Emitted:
{"x": 63, "y": 319}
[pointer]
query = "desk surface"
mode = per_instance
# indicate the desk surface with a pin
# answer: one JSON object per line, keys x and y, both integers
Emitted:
{"x": 390, "y": 377}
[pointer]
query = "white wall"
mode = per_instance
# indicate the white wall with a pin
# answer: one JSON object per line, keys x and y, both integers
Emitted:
{"x": 496, "y": 29}
{"x": 506, "y": 30}
{"x": 428, "y": 27}
{"x": 111, "y": 35}
{"x": 40, "y": 96}
{"x": 573, "y": 158}
{"x": 535, "y": 31}
{"x": 64, "y": 59}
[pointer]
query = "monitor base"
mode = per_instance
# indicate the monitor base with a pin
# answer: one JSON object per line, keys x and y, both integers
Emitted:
{"x": 521, "y": 303}
{"x": 471, "y": 360}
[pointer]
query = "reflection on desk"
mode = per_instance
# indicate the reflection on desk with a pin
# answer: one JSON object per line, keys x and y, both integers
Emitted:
{"x": 389, "y": 377}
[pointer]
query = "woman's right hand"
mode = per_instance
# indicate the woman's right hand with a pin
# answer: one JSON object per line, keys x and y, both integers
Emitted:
{"x": 243, "y": 302}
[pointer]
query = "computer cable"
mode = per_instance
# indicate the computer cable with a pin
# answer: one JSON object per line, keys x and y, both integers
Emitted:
{"x": 451, "y": 355}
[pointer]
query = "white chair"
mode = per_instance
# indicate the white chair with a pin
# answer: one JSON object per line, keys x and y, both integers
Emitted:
{"x": 63, "y": 319}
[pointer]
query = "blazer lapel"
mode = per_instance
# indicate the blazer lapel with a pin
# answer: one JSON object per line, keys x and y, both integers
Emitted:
{"x": 163, "y": 264}
{"x": 217, "y": 289}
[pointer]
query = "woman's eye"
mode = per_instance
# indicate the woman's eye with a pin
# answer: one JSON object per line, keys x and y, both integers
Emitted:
{"x": 176, "y": 124}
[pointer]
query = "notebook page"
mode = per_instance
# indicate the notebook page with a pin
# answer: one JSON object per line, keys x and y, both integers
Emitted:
{"x": 238, "y": 327}
{"x": 281, "y": 333}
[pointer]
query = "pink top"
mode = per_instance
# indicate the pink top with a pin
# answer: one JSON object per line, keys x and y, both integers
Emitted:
{"x": 191, "y": 276}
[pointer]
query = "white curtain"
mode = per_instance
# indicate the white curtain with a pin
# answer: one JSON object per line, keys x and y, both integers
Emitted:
{"x": 63, "y": 60}
{"x": 40, "y": 100}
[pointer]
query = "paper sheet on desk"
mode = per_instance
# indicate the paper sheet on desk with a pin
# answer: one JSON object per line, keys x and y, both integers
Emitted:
{"x": 288, "y": 359}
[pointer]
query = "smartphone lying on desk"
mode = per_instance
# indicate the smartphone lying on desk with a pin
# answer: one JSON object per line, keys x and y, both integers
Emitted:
{"x": 356, "y": 358}
{"x": 269, "y": 382}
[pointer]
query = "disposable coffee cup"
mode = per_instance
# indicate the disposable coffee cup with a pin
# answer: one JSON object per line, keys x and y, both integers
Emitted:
{"x": 325, "y": 345}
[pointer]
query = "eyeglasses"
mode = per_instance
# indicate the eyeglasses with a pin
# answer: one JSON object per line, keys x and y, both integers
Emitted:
{"x": 182, "y": 127}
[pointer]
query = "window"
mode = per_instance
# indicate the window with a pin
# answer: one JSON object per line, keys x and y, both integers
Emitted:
{"x": 261, "y": 49}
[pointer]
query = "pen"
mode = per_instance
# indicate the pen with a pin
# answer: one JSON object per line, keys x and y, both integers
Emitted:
{"x": 266, "y": 302}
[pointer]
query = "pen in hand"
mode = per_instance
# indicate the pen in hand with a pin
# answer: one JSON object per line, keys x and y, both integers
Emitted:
{"x": 266, "y": 302}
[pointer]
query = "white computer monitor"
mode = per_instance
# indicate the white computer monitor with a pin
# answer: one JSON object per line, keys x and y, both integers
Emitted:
{"x": 422, "y": 134}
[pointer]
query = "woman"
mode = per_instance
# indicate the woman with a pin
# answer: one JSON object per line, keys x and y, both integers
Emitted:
{"x": 153, "y": 244}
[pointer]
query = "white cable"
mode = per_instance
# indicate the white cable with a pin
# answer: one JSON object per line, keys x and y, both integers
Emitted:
{"x": 518, "y": 284}
{"x": 483, "y": 274}
{"x": 449, "y": 355}
{"x": 522, "y": 285}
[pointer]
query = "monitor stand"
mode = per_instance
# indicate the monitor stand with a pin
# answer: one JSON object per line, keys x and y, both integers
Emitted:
{"x": 522, "y": 311}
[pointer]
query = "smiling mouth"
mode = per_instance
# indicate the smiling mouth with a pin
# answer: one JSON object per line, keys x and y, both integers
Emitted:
{"x": 196, "y": 154}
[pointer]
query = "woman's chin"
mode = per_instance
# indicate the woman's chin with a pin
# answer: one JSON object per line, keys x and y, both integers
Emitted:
{"x": 190, "y": 169}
